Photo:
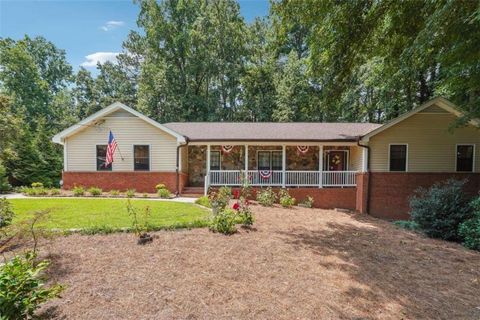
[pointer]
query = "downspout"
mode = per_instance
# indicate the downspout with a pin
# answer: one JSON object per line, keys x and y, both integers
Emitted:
{"x": 368, "y": 171}
{"x": 177, "y": 169}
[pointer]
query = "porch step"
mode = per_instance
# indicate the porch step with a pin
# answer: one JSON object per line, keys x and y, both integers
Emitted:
{"x": 192, "y": 192}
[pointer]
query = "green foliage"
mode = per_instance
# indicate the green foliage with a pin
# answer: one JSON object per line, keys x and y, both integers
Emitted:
{"x": 407, "y": 224}
{"x": 94, "y": 191}
{"x": 163, "y": 191}
{"x": 220, "y": 199}
{"x": 130, "y": 193}
{"x": 22, "y": 289}
{"x": 469, "y": 230}
{"x": 204, "y": 201}
{"x": 285, "y": 199}
{"x": 440, "y": 210}
{"x": 245, "y": 214}
{"x": 139, "y": 221}
{"x": 6, "y": 213}
{"x": 4, "y": 185}
{"x": 266, "y": 197}
{"x": 55, "y": 192}
{"x": 224, "y": 222}
{"x": 37, "y": 191}
{"x": 37, "y": 185}
{"x": 307, "y": 202}
{"x": 160, "y": 186}
{"x": 78, "y": 191}
{"x": 114, "y": 193}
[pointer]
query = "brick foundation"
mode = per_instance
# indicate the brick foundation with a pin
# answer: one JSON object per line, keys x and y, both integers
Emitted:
{"x": 390, "y": 191}
{"x": 140, "y": 181}
{"x": 362, "y": 192}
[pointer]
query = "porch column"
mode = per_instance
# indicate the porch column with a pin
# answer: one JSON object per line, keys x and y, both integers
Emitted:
{"x": 284, "y": 164}
{"x": 320, "y": 166}
{"x": 246, "y": 161}
{"x": 207, "y": 175}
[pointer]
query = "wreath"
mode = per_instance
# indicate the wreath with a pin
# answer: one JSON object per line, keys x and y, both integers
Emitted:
{"x": 227, "y": 149}
{"x": 265, "y": 174}
{"x": 336, "y": 159}
{"x": 302, "y": 149}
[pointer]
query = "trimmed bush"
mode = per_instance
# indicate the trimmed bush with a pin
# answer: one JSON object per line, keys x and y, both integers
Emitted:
{"x": 307, "y": 202}
{"x": 160, "y": 186}
{"x": 78, "y": 191}
{"x": 204, "y": 201}
{"x": 55, "y": 192}
{"x": 164, "y": 193}
{"x": 94, "y": 191}
{"x": 6, "y": 213}
{"x": 114, "y": 193}
{"x": 286, "y": 200}
{"x": 224, "y": 222}
{"x": 130, "y": 193}
{"x": 266, "y": 197}
{"x": 470, "y": 229}
{"x": 37, "y": 185}
{"x": 440, "y": 210}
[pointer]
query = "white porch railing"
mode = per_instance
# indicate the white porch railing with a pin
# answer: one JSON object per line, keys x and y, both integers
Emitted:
{"x": 276, "y": 178}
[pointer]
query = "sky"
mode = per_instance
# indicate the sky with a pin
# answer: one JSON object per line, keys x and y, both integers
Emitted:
{"x": 88, "y": 30}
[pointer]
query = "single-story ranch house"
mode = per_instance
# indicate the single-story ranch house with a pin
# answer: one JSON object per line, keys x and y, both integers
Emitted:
{"x": 360, "y": 166}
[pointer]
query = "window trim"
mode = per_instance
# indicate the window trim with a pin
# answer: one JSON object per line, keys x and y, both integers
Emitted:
{"x": 271, "y": 158}
{"x": 220, "y": 160}
{"x": 473, "y": 156}
{"x": 96, "y": 148}
{"x": 149, "y": 157}
{"x": 406, "y": 155}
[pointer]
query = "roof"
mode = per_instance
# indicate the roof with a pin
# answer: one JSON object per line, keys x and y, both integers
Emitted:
{"x": 271, "y": 131}
{"x": 439, "y": 101}
{"x": 60, "y": 137}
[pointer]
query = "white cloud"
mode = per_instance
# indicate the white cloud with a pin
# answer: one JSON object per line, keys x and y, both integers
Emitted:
{"x": 112, "y": 24}
{"x": 99, "y": 57}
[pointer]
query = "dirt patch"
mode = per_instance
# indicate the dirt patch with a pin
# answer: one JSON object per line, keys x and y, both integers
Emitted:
{"x": 298, "y": 264}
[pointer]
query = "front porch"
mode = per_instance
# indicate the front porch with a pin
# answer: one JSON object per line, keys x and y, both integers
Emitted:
{"x": 286, "y": 165}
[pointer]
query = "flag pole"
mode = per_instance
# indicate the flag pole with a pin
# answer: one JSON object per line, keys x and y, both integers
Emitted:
{"x": 121, "y": 156}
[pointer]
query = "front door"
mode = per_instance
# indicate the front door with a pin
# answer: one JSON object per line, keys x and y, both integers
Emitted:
{"x": 337, "y": 160}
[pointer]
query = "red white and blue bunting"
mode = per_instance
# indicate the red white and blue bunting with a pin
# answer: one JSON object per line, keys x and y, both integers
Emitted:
{"x": 265, "y": 174}
{"x": 302, "y": 149}
{"x": 227, "y": 149}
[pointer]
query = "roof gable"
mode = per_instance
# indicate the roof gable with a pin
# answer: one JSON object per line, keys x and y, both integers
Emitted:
{"x": 111, "y": 110}
{"x": 431, "y": 106}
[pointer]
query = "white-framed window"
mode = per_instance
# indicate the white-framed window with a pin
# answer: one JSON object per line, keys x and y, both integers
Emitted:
{"x": 141, "y": 158}
{"x": 269, "y": 160}
{"x": 398, "y": 157}
{"x": 215, "y": 160}
{"x": 465, "y": 158}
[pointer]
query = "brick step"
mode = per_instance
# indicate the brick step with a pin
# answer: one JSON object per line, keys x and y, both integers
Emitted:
{"x": 196, "y": 191}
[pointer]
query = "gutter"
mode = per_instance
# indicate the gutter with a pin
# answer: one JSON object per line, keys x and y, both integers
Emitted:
{"x": 368, "y": 171}
{"x": 177, "y": 167}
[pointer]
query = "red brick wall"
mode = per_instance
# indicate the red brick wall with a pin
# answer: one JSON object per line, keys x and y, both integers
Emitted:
{"x": 362, "y": 192}
{"x": 140, "y": 181}
{"x": 325, "y": 198}
{"x": 390, "y": 191}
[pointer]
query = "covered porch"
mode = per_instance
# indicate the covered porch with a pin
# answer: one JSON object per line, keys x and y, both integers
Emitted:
{"x": 327, "y": 165}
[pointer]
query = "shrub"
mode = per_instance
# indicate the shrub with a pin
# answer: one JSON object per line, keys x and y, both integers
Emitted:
{"x": 38, "y": 191}
{"x": 407, "y": 224}
{"x": 164, "y": 193}
{"x": 114, "y": 193}
{"x": 22, "y": 289}
{"x": 470, "y": 229}
{"x": 266, "y": 197}
{"x": 55, "y": 192}
{"x": 204, "y": 201}
{"x": 225, "y": 192}
{"x": 245, "y": 214}
{"x": 130, "y": 193}
{"x": 37, "y": 185}
{"x": 94, "y": 191}
{"x": 6, "y": 213}
{"x": 220, "y": 199}
{"x": 78, "y": 191}
{"x": 160, "y": 186}
{"x": 286, "y": 200}
{"x": 307, "y": 202}
{"x": 224, "y": 222}
{"x": 440, "y": 209}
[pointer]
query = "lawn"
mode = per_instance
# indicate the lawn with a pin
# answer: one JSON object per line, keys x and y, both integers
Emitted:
{"x": 107, "y": 213}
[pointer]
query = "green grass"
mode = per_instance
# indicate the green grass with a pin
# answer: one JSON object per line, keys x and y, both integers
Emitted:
{"x": 109, "y": 215}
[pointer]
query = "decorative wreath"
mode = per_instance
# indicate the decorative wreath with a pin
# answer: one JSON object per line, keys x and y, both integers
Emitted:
{"x": 302, "y": 149}
{"x": 227, "y": 149}
{"x": 336, "y": 159}
{"x": 265, "y": 174}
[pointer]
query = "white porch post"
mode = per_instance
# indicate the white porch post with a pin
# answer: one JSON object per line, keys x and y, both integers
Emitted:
{"x": 246, "y": 161}
{"x": 207, "y": 176}
{"x": 364, "y": 159}
{"x": 320, "y": 166}
{"x": 284, "y": 164}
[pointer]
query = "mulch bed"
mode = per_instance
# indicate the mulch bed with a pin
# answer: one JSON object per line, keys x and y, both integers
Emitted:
{"x": 297, "y": 264}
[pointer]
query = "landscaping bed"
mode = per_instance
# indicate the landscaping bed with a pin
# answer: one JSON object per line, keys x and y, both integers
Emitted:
{"x": 294, "y": 264}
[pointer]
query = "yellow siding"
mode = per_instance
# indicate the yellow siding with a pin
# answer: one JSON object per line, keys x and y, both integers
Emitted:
{"x": 431, "y": 146}
{"x": 355, "y": 158}
{"x": 81, "y": 147}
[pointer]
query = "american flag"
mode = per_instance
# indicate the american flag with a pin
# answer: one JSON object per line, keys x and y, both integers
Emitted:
{"x": 112, "y": 146}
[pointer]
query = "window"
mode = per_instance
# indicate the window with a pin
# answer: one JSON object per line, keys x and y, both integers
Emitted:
{"x": 101, "y": 158}
{"x": 214, "y": 160}
{"x": 465, "y": 157}
{"x": 398, "y": 157}
{"x": 141, "y": 158}
{"x": 269, "y": 160}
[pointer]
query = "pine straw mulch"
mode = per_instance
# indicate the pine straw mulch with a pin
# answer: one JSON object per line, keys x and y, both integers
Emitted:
{"x": 297, "y": 264}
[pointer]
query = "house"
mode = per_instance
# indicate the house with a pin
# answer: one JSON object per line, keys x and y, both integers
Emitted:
{"x": 360, "y": 166}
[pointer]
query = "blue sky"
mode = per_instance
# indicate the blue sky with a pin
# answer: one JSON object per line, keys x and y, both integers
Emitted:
{"x": 87, "y": 30}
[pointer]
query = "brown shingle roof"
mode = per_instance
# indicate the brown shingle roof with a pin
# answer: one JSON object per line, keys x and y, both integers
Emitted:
{"x": 271, "y": 131}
